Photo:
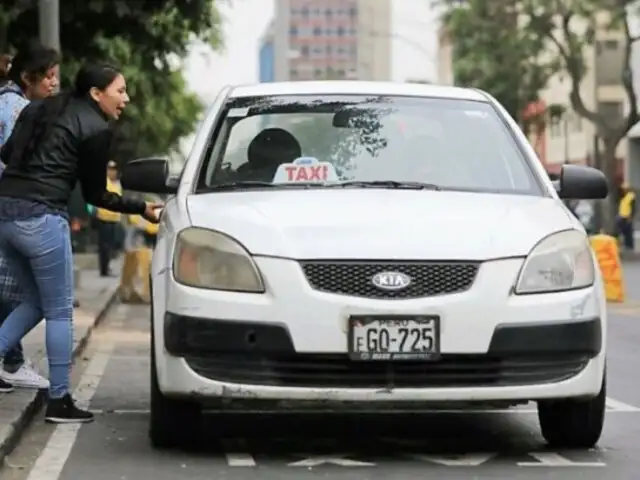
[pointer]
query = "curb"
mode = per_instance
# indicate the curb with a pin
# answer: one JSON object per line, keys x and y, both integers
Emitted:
{"x": 10, "y": 436}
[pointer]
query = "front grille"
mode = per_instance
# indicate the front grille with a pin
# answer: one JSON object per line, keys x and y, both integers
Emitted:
{"x": 355, "y": 278}
{"x": 337, "y": 371}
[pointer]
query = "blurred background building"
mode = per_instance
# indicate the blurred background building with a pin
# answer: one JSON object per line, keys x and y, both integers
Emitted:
{"x": 327, "y": 39}
{"x": 266, "y": 55}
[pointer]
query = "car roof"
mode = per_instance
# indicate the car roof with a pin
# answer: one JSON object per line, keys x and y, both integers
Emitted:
{"x": 351, "y": 87}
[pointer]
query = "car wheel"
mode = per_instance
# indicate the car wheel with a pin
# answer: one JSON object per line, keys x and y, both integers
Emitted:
{"x": 173, "y": 423}
{"x": 573, "y": 423}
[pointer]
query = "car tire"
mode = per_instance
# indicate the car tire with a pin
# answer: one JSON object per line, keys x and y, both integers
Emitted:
{"x": 573, "y": 423}
{"x": 173, "y": 423}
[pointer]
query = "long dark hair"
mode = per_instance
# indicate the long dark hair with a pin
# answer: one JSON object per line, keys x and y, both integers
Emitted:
{"x": 32, "y": 62}
{"x": 90, "y": 75}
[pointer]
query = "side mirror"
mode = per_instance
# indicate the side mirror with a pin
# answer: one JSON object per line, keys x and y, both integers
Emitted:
{"x": 148, "y": 175}
{"x": 579, "y": 182}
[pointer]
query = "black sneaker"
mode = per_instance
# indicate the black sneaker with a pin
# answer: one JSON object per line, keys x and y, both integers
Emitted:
{"x": 5, "y": 387}
{"x": 63, "y": 410}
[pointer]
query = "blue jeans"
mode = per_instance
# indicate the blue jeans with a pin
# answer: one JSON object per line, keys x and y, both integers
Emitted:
{"x": 39, "y": 250}
{"x": 14, "y": 358}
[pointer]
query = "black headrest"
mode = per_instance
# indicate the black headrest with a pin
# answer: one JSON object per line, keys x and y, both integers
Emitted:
{"x": 273, "y": 145}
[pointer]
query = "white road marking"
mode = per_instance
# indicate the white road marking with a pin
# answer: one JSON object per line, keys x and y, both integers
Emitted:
{"x": 339, "y": 460}
{"x": 240, "y": 460}
{"x": 551, "y": 459}
{"x": 466, "y": 460}
{"x": 617, "y": 406}
{"x": 55, "y": 454}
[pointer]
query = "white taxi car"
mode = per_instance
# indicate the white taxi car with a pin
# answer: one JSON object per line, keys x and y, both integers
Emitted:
{"x": 374, "y": 244}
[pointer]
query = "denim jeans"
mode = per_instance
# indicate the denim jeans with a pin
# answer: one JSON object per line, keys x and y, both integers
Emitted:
{"x": 39, "y": 250}
{"x": 14, "y": 358}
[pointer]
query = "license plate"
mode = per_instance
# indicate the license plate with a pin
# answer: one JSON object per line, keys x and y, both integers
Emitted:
{"x": 394, "y": 337}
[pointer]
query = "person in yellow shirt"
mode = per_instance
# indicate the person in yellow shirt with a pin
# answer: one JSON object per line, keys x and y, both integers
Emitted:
{"x": 130, "y": 264}
{"x": 107, "y": 223}
{"x": 145, "y": 255}
{"x": 626, "y": 214}
{"x": 139, "y": 243}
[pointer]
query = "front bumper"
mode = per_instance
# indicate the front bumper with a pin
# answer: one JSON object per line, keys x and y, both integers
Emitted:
{"x": 291, "y": 343}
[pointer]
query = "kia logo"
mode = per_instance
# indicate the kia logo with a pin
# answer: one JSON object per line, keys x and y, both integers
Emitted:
{"x": 391, "y": 280}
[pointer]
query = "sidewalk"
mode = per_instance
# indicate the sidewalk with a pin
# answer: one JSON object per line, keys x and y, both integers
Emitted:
{"x": 96, "y": 295}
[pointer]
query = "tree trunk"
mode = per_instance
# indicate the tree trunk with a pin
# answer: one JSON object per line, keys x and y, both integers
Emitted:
{"x": 610, "y": 167}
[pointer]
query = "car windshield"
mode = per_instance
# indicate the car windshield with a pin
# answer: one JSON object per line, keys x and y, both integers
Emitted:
{"x": 359, "y": 141}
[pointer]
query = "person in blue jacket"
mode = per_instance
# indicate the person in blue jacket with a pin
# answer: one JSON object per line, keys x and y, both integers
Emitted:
{"x": 31, "y": 74}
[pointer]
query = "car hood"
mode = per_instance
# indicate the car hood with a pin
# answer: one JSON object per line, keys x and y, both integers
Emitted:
{"x": 382, "y": 224}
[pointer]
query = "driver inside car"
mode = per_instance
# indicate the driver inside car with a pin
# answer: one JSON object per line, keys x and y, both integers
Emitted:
{"x": 270, "y": 148}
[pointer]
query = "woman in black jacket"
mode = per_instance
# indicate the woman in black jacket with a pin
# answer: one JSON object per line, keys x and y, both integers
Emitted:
{"x": 55, "y": 143}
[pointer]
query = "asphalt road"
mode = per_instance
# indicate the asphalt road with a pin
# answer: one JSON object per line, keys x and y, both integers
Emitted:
{"x": 113, "y": 379}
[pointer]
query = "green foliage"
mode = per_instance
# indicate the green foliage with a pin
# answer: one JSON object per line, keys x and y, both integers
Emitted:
{"x": 492, "y": 53}
{"x": 487, "y": 48}
{"x": 147, "y": 39}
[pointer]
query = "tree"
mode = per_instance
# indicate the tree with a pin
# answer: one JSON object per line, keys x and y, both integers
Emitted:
{"x": 571, "y": 29}
{"x": 563, "y": 31}
{"x": 148, "y": 39}
{"x": 491, "y": 52}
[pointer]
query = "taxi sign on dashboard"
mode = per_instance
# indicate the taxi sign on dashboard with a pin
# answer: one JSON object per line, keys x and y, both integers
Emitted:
{"x": 305, "y": 170}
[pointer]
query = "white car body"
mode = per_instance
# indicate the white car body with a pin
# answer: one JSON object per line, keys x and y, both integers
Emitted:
{"x": 282, "y": 228}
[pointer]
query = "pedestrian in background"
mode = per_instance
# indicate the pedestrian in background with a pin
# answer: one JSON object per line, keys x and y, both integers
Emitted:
{"x": 133, "y": 241}
{"x": 626, "y": 215}
{"x": 31, "y": 75}
{"x": 145, "y": 253}
{"x": 140, "y": 240}
{"x": 55, "y": 143}
{"x": 107, "y": 223}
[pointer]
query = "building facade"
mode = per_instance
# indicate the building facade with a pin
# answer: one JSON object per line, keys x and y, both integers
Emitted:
{"x": 266, "y": 56}
{"x": 332, "y": 39}
{"x": 571, "y": 138}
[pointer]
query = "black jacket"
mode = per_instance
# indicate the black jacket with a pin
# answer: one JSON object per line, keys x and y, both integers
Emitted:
{"x": 76, "y": 148}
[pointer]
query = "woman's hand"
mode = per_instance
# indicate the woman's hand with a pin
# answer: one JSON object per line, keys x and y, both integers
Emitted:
{"x": 151, "y": 212}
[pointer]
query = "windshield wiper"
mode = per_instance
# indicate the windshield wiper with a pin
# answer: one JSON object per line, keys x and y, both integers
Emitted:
{"x": 255, "y": 184}
{"x": 387, "y": 184}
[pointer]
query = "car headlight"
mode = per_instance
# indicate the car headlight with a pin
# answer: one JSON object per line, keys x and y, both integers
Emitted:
{"x": 562, "y": 261}
{"x": 207, "y": 259}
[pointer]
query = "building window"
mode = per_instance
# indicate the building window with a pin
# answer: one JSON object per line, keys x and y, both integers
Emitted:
{"x": 316, "y": 12}
{"x": 328, "y": 32}
{"x": 317, "y": 73}
{"x": 293, "y": 74}
{"x": 340, "y": 31}
{"x": 353, "y": 12}
{"x": 555, "y": 127}
{"x": 293, "y": 31}
{"x": 328, "y": 13}
{"x": 317, "y": 31}
{"x": 304, "y": 12}
{"x": 607, "y": 46}
{"x": 611, "y": 111}
{"x": 576, "y": 123}
{"x": 304, "y": 50}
